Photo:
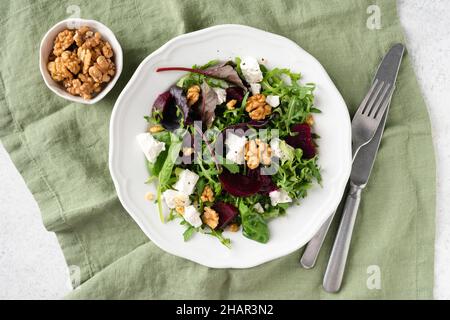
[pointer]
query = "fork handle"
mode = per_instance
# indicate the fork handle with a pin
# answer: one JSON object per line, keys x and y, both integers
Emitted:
{"x": 336, "y": 265}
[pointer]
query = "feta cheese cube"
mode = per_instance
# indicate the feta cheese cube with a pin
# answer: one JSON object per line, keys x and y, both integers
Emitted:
{"x": 221, "y": 95}
{"x": 258, "y": 207}
{"x": 192, "y": 216}
{"x": 186, "y": 182}
{"x": 236, "y": 147}
{"x": 250, "y": 69}
{"x": 150, "y": 146}
{"x": 273, "y": 101}
{"x": 255, "y": 88}
{"x": 279, "y": 196}
{"x": 175, "y": 199}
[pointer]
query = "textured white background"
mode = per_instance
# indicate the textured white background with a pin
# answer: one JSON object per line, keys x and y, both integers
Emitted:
{"x": 32, "y": 265}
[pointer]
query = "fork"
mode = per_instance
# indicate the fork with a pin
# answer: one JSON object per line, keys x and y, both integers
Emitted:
{"x": 369, "y": 114}
{"x": 364, "y": 125}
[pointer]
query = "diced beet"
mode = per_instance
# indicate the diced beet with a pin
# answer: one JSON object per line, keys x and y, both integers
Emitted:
{"x": 302, "y": 140}
{"x": 239, "y": 185}
{"x": 227, "y": 213}
{"x": 235, "y": 93}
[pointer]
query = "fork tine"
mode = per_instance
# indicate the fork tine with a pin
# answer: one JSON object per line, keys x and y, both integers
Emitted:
{"x": 367, "y": 97}
{"x": 379, "y": 100}
{"x": 372, "y": 100}
{"x": 382, "y": 108}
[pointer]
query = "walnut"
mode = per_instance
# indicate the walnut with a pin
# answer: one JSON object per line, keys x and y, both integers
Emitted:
{"x": 58, "y": 70}
{"x": 107, "y": 50}
{"x": 85, "y": 56}
{"x": 180, "y": 201}
{"x": 187, "y": 151}
{"x": 156, "y": 128}
{"x": 193, "y": 94}
{"x": 310, "y": 120}
{"x": 231, "y": 104}
{"x": 79, "y": 35}
{"x": 92, "y": 40}
{"x": 102, "y": 70}
{"x": 251, "y": 154}
{"x": 63, "y": 40}
{"x": 88, "y": 87}
{"x": 234, "y": 227}
{"x": 207, "y": 194}
{"x": 257, "y": 152}
{"x": 71, "y": 61}
{"x": 149, "y": 196}
{"x": 210, "y": 217}
{"x": 257, "y": 107}
{"x": 73, "y": 86}
{"x": 179, "y": 210}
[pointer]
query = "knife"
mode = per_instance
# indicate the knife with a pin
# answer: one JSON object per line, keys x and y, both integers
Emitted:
{"x": 359, "y": 176}
{"x": 311, "y": 252}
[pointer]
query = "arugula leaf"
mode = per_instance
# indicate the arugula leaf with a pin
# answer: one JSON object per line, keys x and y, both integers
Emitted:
{"x": 218, "y": 234}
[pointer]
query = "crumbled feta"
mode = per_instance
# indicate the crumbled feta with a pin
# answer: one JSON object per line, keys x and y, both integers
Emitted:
{"x": 250, "y": 69}
{"x": 221, "y": 95}
{"x": 258, "y": 207}
{"x": 150, "y": 146}
{"x": 255, "y": 88}
{"x": 236, "y": 146}
{"x": 186, "y": 182}
{"x": 273, "y": 101}
{"x": 275, "y": 147}
{"x": 175, "y": 199}
{"x": 281, "y": 149}
{"x": 192, "y": 216}
{"x": 279, "y": 196}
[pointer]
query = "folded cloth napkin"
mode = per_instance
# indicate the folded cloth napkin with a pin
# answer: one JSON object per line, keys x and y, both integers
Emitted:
{"x": 61, "y": 149}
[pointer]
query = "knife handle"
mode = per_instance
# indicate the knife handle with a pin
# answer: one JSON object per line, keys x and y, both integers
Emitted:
{"x": 336, "y": 265}
{"x": 309, "y": 256}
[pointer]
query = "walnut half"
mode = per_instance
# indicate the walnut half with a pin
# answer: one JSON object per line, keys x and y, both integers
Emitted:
{"x": 257, "y": 107}
{"x": 256, "y": 152}
{"x": 210, "y": 217}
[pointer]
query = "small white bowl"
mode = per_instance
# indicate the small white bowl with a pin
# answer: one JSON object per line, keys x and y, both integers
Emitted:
{"x": 47, "y": 47}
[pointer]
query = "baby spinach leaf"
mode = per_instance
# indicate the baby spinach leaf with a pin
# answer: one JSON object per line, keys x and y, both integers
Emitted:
{"x": 253, "y": 225}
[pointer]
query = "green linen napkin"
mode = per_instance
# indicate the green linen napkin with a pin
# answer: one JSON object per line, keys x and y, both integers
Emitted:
{"x": 61, "y": 149}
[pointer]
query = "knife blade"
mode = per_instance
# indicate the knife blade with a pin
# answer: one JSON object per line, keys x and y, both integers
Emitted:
{"x": 385, "y": 72}
{"x": 359, "y": 176}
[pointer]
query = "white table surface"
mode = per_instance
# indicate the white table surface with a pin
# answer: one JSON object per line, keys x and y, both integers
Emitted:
{"x": 32, "y": 265}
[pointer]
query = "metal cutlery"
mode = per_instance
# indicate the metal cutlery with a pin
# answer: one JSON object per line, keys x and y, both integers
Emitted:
{"x": 312, "y": 249}
{"x": 361, "y": 169}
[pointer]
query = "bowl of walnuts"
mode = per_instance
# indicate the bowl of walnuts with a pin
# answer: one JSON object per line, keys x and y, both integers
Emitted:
{"x": 80, "y": 60}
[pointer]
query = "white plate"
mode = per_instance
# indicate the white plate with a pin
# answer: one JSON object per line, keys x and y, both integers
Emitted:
{"x": 127, "y": 163}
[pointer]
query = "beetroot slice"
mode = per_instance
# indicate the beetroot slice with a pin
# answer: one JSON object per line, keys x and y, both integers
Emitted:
{"x": 227, "y": 212}
{"x": 235, "y": 93}
{"x": 267, "y": 184}
{"x": 302, "y": 140}
{"x": 239, "y": 185}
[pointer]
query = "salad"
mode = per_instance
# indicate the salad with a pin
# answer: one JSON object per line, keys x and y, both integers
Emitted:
{"x": 231, "y": 146}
